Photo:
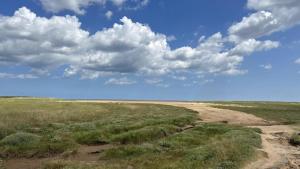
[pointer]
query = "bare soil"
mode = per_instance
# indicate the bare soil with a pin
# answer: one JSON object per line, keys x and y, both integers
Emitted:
{"x": 84, "y": 154}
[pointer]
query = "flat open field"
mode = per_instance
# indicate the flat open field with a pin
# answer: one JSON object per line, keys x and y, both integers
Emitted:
{"x": 58, "y": 134}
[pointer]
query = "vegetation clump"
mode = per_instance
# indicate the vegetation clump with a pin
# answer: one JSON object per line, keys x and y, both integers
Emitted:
{"x": 295, "y": 139}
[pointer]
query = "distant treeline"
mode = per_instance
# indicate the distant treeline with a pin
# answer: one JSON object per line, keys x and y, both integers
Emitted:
{"x": 12, "y": 96}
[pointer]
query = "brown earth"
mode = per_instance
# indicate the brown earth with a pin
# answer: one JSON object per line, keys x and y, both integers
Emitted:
{"x": 84, "y": 154}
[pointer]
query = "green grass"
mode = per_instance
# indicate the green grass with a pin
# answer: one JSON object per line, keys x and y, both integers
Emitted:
{"x": 283, "y": 112}
{"x": 142, "y": 135}
{"x": 205, "y": 146}
{"x": 295, "y": 139}
{"x": 41, "y": 127}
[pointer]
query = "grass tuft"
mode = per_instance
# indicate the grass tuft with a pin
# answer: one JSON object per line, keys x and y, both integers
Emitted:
{"x": 20, "y": 139}
{"x": 145, "y": 134}
{"x": 295, "y": 139}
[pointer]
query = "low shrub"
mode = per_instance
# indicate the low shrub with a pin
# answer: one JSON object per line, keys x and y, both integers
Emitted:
{"x": 125, "y": 152}
{"x": 55, "y": 144}
{"x": 19, "y": 144}
{"x": 90, "y": 138}
{"x": 145, "y": 134}
{"x": 5, "y": 132}
{"x": 295, "y": 139}
{"x": 20, "y": 139}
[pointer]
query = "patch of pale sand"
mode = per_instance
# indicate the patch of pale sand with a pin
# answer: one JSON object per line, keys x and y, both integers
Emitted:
{"x": 131, "y": 106}
{"x": 280, "y": 154}
{"x": 228, "y": 105}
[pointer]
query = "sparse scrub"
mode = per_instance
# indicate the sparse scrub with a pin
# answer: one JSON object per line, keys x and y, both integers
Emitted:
{"x": 27, "y": 145}
{"x": 227, "y": 147}
{"x": 90, "y": 138}
{"x": 295, "y": 139}
{"x": 145, "y": 134}
{"x": 20, "y": 139}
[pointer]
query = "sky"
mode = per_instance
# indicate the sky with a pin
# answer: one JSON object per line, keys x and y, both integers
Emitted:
{"x": 151, "y": 49}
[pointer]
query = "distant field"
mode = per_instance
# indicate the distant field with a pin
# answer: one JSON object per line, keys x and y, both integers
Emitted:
{"x": 140, "y": 136}
{"x": 288, "y": 113}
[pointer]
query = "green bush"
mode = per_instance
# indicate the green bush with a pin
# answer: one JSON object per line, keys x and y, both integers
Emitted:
{"x": 27, "y": 145}
{"x": 90, "y": 138}
{"x": 86, "y": 126}
{"x": 19, "y": 144}
{"x": 295, "y": 139}
{"x": 20, "y": 139}
{"x": 55, "y": 144}
{"x": 145, "y": 134}
{"x": 5, "y": 132}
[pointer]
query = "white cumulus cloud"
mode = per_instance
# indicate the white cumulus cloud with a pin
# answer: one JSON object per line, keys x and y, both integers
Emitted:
{"x": 271, "y": 16}
{"x": 44, "y": 44}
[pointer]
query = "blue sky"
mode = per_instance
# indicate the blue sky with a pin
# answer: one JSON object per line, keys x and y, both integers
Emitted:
{"x": 151, "y": 49}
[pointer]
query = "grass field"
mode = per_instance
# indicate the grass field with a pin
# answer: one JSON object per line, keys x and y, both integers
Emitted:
{"x": 140, "y": 135}
{"x": 283, "y": 112}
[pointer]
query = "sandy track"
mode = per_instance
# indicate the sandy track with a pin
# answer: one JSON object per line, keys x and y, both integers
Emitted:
{"x": 276, "y": 152}
{"x": 279, "y": 153}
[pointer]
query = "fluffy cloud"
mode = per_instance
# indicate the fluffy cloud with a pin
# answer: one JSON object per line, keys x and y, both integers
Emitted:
{"x": 298, "y": 61}
{"x": 120, "y": 81}
{"x": 249, "y": 46}
{"x": 271, "y": 16}
{"x": 78, "y": 6}
{"x": 44, "y": 44}
{"x": 39, "y": 42}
